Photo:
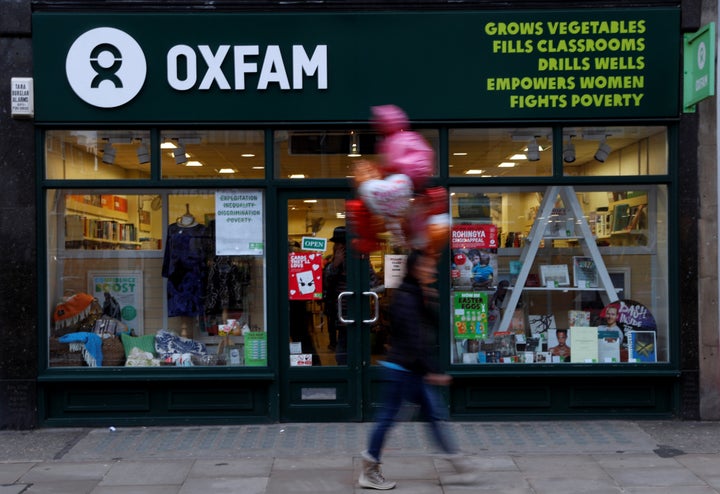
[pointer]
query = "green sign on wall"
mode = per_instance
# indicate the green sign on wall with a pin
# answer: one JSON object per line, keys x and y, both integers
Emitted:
{"x": 699, "y": 66}
{"x": 263, "y": 67}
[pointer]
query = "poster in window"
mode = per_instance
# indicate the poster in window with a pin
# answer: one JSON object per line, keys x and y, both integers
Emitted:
{"x": 120, "y": 294}
{"x": 305, "y": 276}
{"x": 470, "y": 311}
{"x": 239, "y": 223}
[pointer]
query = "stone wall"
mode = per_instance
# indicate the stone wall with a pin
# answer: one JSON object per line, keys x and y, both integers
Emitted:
{"x": 18, "y": 229}
{"x": 708, "y": 324}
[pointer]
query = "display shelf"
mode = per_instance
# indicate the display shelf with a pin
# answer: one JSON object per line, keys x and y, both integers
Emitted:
{"x": 586, "y": 239}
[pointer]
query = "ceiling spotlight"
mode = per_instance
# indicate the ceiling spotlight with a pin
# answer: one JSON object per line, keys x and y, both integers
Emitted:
{"x": 354, "y": 146}
{"x": 108, "y": 153}
{"x": 603, "y": 151}
{"x": 143, "y": 154}
{"x": 533, "y": 150}
{"x": 569, "y": 151}
{"x": 180, "y": 155}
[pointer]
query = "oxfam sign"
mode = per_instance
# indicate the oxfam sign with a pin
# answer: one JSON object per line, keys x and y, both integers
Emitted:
{"x": 106, "y": 67}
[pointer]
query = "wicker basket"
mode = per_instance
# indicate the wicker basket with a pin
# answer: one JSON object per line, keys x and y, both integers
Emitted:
{"x": 61, "y": 356}
{"x": 113, "y": 352}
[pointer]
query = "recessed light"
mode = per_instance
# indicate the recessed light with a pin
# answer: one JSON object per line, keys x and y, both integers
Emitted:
{"x": 507, "y": 164}
{"x": 518, "y": 156}
{"x": 227, "y": 170}
{"x": 193, "y": 163}
{"x": 247, "y": 155}
{"x": 310, "y": 201}
{"x": 474, "y": 172}
{"x": 459, "y": 154}
{"x": 167, "y": 145}
{"x": 297, "y": 175}
{"x": 258, "y": 167}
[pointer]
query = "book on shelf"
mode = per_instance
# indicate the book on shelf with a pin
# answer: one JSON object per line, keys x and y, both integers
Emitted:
{"x": 584, "y": 344}
{"x": 541, "y": 323}
{"x": 585, "y": 273}
{"x": 578, "y": 318}
{"x": 554, "y": 275}
{"x": 642, "y": 346}
{"x": 608, "y": 346}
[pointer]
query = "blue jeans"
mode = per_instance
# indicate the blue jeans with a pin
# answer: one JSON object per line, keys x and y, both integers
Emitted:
{"x": 402, "y": 385}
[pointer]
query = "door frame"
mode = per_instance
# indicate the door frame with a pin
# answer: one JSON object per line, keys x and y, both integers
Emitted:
{"x": 323, "y": 393}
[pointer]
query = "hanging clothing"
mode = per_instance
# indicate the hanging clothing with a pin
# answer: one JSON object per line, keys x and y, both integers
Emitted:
{"x": 184, "y": 268}
{"x": 226, "y": 283}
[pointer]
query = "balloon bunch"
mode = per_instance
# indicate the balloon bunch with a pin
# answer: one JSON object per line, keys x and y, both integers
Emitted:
{"x": 393, "y": 195}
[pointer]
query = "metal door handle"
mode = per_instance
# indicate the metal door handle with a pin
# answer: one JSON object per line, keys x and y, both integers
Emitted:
{"x": 377, "y": 308}
{"x": 339, "y": 308}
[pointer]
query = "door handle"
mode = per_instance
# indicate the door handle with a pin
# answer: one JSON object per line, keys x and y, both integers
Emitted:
{"x": 339, "y": 308}
{"x": 377, "y": 308}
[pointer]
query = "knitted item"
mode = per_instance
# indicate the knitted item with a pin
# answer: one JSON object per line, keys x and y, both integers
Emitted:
{"x": 72, "y": 310}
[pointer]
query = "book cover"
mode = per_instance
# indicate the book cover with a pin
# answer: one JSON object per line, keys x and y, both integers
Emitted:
{"x": 585, "y": 273}
{"x": 641, "y": 346}
{"x": 584, "y": 344}
{"x": 470, "y": 315}
{"x": 554, "y": 275}
{"x": 608, "y": 346}
{"x": 541, "y": 323}
{"x": 578, "y": 318}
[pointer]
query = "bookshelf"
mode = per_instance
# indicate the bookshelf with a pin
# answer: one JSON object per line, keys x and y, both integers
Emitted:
{"x": 547, "y": 221}
{"x": 99, "y": 222}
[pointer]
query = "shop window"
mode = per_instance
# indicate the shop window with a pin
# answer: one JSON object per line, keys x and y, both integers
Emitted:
{"x": 301, "y": 154}
{"x": 560, "y": 274}
{"x": 615, "y": 151}
{"x": 500, "y": 152}
{"x": 97, "y": 154}
{"x": 213, "y": 154}
{"x": 158, "y": 278}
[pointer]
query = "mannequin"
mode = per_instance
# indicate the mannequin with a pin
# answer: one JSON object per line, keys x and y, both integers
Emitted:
{"x": 184, "y": 266}
{"x": 187, "y": 220}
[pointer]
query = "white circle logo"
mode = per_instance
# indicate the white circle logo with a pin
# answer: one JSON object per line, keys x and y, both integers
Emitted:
{"x": 106, "y": 67}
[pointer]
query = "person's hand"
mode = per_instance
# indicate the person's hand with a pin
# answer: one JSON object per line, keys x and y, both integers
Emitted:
{"x": 435, "y": 379}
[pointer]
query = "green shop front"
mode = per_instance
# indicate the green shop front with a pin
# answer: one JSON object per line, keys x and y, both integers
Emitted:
{"x": 195, "y": 171}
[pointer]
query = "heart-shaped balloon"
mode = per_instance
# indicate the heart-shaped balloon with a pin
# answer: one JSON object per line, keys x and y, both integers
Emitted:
{"x": 438, "y": 232}
{"x": 390, "y": 197}
{"x": 365, "y": 170}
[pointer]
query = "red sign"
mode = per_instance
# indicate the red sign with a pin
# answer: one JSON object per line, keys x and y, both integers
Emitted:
{"x": 305, "y": 276}
{"x": 483, "y": 236}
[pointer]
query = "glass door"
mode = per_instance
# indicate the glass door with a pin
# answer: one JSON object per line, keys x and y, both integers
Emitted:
{"x": 331, "y": 300}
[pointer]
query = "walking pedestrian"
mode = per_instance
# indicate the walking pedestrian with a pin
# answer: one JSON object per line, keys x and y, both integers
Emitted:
{"x": 409, "y": 371}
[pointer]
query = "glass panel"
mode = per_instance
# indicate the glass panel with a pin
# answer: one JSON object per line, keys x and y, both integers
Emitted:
{"x": 613, "y": 151}
{"x": 97, "y": 154}
{"x": 171, "y": 294}
{"x": 330, "y": 154}
{"x": 317, "y": 337}
{"x": 232, "y": 154}
{"x": 511, "y": 152}
{"x": 583, "y": 259}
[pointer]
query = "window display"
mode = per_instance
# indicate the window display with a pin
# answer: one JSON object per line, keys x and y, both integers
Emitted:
{"x": 129, "y": 291}
{"x": 536, "y": 278}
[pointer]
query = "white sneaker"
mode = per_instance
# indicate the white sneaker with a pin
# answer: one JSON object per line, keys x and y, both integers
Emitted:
{"x": 372, "y": 477}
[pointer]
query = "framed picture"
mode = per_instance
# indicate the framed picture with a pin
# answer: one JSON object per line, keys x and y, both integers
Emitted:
{"x": 144, "y": 220}
{"x": 554, "y": 275}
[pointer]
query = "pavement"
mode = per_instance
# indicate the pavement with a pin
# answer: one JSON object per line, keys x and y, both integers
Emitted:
{"x": 546, "y": 457}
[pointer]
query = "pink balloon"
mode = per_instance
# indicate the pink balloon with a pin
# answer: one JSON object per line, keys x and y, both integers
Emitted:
{"x": 390, "y": 197}
{"x": 410, "y": 154}
{"x": 390, "y": 119}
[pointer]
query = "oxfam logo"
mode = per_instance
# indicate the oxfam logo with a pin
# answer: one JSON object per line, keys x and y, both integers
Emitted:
{"x": 106, "y": 67}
